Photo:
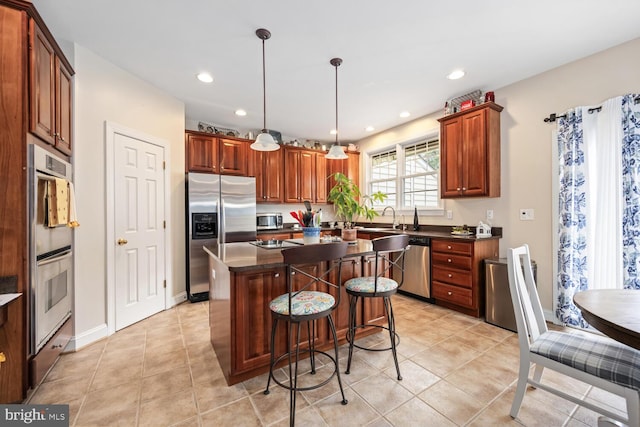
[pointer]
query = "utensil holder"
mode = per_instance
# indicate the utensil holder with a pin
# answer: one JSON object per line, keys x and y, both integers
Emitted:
{"x": 310, "y": 235}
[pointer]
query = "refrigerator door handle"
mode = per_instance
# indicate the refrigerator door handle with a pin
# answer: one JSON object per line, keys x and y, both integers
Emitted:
{"x": 221, "y": 222}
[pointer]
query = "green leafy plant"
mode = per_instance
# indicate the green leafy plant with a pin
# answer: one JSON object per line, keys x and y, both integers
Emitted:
{"x": 348, "y": 201}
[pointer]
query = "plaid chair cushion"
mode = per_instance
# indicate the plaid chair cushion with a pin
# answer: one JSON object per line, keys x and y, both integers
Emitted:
{"x": 303, "y": 303}
{"x": 366, "y": 284}
{"x": 599, "y": 356}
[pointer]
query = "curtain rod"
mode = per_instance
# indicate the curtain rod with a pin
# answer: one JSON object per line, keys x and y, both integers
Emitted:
{"x": 553, "y": 117}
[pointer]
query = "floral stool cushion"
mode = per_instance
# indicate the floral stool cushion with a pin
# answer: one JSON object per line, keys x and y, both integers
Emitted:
{"x": 303, "y": 303}
{"x": 367, "y": 284}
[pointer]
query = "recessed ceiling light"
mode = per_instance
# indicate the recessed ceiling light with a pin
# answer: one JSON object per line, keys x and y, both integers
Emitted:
{"x": 369, "y": 128}
{"x": 455, "y": 75}
{"x": 205, "y": 77}
{"x": 333, "y": 132}
{"x": 405, "y": 114}
{"x": 241, "y": 113}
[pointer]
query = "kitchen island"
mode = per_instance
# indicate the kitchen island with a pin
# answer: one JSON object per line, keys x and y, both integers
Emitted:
{"x": 243, "y": 280}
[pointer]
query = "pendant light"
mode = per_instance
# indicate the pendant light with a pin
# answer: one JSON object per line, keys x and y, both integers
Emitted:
{"x": 336, "y": 152}
{"x": 264, "y": 141}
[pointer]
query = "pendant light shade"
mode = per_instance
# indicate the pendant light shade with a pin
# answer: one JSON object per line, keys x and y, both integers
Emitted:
{"x": 264, "y": 141}
{"x": 336, "y": 152}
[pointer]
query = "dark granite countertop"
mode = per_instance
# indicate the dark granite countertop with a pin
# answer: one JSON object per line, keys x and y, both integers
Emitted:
{"x": 244, "y": 256}
{"x": 433, "y": 231}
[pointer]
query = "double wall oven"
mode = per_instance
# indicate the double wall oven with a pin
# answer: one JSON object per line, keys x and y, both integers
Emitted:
{"x": 50, "y": 248}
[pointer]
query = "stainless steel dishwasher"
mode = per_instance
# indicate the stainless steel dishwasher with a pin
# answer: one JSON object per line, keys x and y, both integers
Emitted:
{"x": 417, "y": 277}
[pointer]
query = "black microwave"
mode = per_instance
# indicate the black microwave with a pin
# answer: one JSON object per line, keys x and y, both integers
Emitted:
{"x": 269, "y": 221}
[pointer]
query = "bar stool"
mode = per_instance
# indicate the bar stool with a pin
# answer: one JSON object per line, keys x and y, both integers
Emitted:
{"x": 309, "y": 268}
{"x": 389, "y": 261}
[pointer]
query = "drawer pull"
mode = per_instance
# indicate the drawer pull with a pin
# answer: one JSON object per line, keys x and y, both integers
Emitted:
{"x": 449, "y": 260}
{"x": 276, "y": 275}
{"x": 449, "y": 293}
{"x": 448, "y": 246}
{"x": 3, "y": 358}
{"x": 450, "y": 275}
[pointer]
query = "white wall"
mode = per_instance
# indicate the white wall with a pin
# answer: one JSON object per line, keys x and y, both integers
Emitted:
{"x": 526, "y": 147}
{"x": 104, "y": 92}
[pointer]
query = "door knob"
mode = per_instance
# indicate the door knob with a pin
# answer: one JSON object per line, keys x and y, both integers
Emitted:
{"x": 122, "y": 242}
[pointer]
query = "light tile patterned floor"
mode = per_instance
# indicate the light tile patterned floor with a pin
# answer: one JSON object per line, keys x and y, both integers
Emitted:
{"x": 457, "y": 370}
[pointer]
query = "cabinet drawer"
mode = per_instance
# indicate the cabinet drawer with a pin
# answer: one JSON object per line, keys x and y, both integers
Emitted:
{"x": 448, "y": 246}
{"x": 451, "y": 261}
{"x": 452, "y": 294}
{"x": 449, "y": 275}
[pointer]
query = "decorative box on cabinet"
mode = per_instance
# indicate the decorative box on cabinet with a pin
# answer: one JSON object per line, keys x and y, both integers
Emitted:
{"x": 457, "y": 278}
{"x": 215, "y": 154}
{"x": 51, "y": 98}
{"x": 470, "y": 152}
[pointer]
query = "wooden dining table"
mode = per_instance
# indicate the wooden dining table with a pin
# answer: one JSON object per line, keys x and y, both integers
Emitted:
{"x": 614, "y": 312}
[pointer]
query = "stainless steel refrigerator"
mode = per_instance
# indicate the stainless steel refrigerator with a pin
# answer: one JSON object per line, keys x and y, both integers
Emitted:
{"x": 220, "y": 209}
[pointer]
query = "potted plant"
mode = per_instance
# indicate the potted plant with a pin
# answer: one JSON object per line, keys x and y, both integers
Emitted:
{"x": 349, "y": 203}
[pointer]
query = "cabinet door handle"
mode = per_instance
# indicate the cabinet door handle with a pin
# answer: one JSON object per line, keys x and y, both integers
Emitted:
{"x": 3, "y": 358}
{"x": 276, "y": 275}
{"x": 62, "y": 138}
{"x": 458, "y": 189}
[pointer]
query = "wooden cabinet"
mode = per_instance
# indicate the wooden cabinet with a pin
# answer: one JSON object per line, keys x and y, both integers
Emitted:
{"x": 457, "y": 273}
{"x": 50, "y": 96}
{"x": 35, "y": 104}
{"x": 12, "y": 351}
{"x": 209, "y": 153}
{"x": 300, "y": 175}
{"x": 241, "y": 321}
{"x": 349, "y": 167}
{"x": 307, "y": 174}
{"x": 251, "y": 293}
{"x": 470, "y": 152}
{"x": 268, "y": 168}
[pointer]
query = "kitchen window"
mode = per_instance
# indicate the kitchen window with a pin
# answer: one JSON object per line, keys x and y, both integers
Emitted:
{"x": 409, "y": 175}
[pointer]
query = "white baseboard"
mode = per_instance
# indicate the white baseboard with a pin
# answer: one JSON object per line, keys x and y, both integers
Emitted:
{"x": 177, "y": 299}
{"x": 87, "y": 337}
{"x": 101, "y": 331}
{"x": 550, "y": 316}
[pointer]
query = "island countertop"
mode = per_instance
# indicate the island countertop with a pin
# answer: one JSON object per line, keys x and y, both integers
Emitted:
{"x": 244, "y": 256}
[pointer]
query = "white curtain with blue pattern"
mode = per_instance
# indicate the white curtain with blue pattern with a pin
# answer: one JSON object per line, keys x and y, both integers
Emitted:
{"x": 598, "y": 201}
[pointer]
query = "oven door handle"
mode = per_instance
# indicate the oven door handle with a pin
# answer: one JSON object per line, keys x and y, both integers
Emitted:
{"x": 54, "y": 259}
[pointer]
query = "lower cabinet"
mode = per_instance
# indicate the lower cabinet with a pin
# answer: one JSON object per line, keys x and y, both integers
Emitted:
{"x": 457, "y": 276}
{"x": 250, "y": 320}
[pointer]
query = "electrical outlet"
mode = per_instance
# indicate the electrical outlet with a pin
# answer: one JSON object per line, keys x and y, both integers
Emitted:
{"x": 526, "y": 215}
{"x": 489, "y": 214}
{"x": 449, "y": 214}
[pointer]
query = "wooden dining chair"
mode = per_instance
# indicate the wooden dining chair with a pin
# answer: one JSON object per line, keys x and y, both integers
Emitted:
{"x": 599, "y": 361}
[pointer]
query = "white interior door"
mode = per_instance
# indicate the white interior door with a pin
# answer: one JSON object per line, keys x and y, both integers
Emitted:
{"x": 138, "y": 229}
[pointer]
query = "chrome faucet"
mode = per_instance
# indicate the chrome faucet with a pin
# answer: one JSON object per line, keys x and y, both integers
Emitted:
{"x": 395, "y": 223}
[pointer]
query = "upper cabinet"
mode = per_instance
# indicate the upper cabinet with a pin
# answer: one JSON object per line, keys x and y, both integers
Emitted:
{"x": 300, "y": 175}
{"x": 213, "y": 154}
{"x": 470, "y": 152}
{"x": 267, "y": 167}
{"x": 50, "y": 96}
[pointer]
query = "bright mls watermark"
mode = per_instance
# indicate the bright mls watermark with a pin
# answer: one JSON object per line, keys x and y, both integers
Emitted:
{"x": 34, "y": 415}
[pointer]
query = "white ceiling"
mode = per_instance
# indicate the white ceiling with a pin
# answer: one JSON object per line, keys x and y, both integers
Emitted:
{"x": 395, "y": 54}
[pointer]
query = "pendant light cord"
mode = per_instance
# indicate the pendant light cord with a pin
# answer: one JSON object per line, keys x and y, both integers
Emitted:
{"x": 336, "y": 66}
{"x": 264, "y": 91}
